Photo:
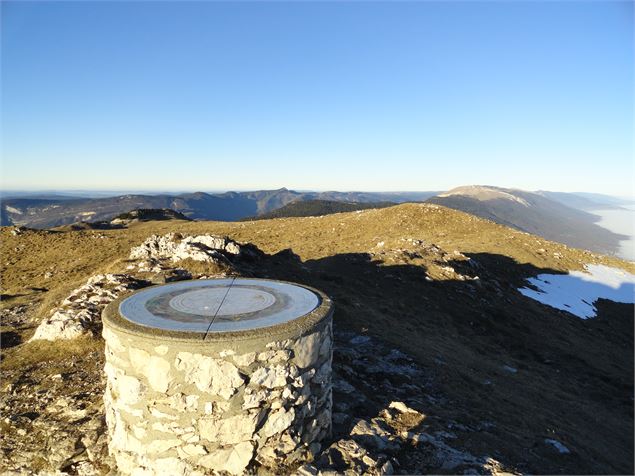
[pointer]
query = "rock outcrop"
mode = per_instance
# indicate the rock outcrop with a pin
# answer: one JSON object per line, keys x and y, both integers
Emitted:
{"x": 377, "y": 436}
{"x": 80, "y": 313}
{"x": 175, "y": 247}
{"x": 220, "y": 256}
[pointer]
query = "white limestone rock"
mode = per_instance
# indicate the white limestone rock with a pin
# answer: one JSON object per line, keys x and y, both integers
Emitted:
{"x": 215, "y": 376}
{"x": 274, "y": 356}
{"x": 121, "y": 435}
{"x": 170, "y": 467}
{"x": 233, "y": 459}
{"x": 245, "y": 360}
{"x": 158, "y": 374}
{"x": 375, "y": 432}
{"x": 81, "y": 310}
{"x": 155, "y": 412}
{"x": 61, "y": 325}
{"x": 191, "y": 402}
{"x": 161, "y": 446}
{"x": 306, "y": 349}
{"x": 216, "y": 243}
{"x": 302, "y": 379}
{"x": 253, "y": 399}
{"x": 206, "y": 248}
{"x": 323, "y": 375}
{"x": 155, "y": 369}
{"x": 326, "y": 346}
{"x": 189, "y": 450}
{"x": 113, "y": 341}
{"x": 229, "y": 430}
{"x": 270, "y": 377}
{"x": 161, "y": 349}
{"x": 276, "y": 345}
{"x": 128, "y": 389}
{"x": 277, "y": 422}
{"x": 401, "y": 407}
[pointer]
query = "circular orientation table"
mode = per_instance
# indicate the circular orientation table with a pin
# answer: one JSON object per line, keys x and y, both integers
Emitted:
{"x": 219, "y": 305}
{"x": 220, "y": 375}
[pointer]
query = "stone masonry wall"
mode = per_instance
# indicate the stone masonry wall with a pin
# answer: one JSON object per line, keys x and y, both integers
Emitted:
{"x": 181, "y": 407}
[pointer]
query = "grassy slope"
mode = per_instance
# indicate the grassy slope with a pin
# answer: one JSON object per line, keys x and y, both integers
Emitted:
{"x": 574, "y": 378}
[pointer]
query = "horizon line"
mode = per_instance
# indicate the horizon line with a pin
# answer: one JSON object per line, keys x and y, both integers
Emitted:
{"x": 156, "y": 191}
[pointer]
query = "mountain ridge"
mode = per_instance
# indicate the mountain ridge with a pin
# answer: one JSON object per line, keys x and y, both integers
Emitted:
{"x": 567, "y": 218}
{"x": 533, "y": 213}
{"x": 227, "y": 206}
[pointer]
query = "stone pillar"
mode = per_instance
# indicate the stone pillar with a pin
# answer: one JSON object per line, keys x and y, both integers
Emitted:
{"x": 185, "y": 403}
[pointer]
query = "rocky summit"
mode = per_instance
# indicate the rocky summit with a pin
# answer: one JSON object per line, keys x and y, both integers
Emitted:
{"x": 440, "y": 364}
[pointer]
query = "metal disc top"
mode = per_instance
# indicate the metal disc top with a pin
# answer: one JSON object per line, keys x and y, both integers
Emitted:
{"x": 218, "y": 305}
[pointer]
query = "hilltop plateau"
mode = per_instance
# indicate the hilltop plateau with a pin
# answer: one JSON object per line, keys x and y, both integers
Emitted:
{"x": 429, "y": 321}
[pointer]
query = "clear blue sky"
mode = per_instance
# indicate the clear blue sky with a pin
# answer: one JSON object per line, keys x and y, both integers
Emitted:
{"x": 346, "y": 96}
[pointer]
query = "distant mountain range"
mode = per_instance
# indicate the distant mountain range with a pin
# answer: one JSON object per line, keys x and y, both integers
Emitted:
{"x": 561, "y": 217}
{"x": 50, "y": 211}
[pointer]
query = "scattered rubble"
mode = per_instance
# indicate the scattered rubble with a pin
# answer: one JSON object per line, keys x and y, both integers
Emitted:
{"x": 377, "y": 428}
{"x": 442, "y": 265}
{"x": 53, "y": 423}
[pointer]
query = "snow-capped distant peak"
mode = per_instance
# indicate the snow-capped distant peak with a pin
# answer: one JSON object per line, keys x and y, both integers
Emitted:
{"x": 483, "y": 193}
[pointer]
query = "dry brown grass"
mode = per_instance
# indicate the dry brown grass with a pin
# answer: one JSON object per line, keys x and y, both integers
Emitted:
{"x": 51, "y": 353}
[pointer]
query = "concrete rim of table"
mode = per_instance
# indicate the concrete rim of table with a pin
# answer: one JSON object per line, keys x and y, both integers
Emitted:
{"x": 298, "y": 326}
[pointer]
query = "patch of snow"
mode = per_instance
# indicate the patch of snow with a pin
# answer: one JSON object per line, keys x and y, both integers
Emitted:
{"x": 577, "y": 291}
{"x": 557, "y": 445}
{"x": 13, "y": 210}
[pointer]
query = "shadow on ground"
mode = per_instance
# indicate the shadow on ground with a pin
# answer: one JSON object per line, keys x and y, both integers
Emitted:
{"x": 517, "y": 371}
{"x": 501, "y": 373}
